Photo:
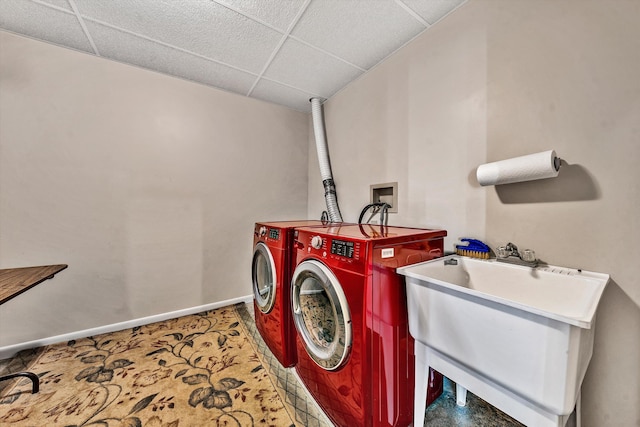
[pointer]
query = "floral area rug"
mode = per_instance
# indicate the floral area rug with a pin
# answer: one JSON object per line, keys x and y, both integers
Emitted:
{"x": 198, "y": 370}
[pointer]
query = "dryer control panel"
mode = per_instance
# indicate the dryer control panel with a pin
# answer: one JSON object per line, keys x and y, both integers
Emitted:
{"x": 274, "y": 233}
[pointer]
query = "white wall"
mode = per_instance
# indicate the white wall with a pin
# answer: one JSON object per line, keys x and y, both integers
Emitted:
{"x": 418, "y": 119}
{"x": 146, "y": 185}
{"x": 116, "y": 171}
{"x": 498, "y": 79}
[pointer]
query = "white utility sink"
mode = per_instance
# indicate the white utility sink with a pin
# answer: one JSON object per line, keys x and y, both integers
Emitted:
{"x": 520, "y": 338}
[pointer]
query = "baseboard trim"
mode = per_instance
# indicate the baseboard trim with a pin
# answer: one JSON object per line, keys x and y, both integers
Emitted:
{"x": 11, "y": 350}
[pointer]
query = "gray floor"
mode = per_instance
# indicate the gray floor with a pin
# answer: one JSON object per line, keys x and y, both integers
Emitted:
{"x": 444, "y": 412}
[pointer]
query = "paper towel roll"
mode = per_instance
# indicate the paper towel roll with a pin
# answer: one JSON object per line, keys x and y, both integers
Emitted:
{"x": 524, "y": 168}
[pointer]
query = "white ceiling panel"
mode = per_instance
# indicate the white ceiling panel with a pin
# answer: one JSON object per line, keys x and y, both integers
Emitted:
{"x": 44, "y": 23}
{"x": 310, "y": 70}
{"x": 281, "y": 51}
{"x": 284, "y": 95}
{"x": 202, "y": 27}
{"x": 433, "y": 10}
{"x": 362, "y": 32}
{"x": 120, "y": 46}
{"x": 277, "y": 13}
{"x": 63, "y": 4}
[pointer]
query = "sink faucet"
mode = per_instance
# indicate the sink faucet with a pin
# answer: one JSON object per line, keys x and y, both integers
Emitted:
{"x": 510, "y": 254}
{"x": 509, "y": 250}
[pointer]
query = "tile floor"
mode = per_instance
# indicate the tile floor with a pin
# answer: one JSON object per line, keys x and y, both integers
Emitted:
{"x": 307, "y": 411}
{"x": 442, "y": 413}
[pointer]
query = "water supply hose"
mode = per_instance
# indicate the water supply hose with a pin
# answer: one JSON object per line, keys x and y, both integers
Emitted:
{"x": 378, "y": 207}
{"x": 330, "y": 195}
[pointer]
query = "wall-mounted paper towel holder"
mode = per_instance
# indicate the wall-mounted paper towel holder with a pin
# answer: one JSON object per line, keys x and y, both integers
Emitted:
{"x": 518, "y": 169}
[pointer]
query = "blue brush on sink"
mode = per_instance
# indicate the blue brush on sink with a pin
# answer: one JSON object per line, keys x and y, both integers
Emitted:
{"x": 474, "y": 248}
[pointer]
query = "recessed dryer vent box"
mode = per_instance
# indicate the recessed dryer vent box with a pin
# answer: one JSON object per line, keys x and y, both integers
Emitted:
{"x": 386, "y": 193}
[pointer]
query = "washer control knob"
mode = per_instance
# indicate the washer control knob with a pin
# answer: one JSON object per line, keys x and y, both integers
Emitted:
{"x": 316, "y": 242}
{"x": 263, "y": 230}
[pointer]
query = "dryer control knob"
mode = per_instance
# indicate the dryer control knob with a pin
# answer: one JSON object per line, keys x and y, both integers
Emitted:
{"x": 316, "y": 242}
{"x": 263, "y": 231}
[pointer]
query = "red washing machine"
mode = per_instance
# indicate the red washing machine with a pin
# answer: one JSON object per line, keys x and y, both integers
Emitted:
{"x": 271, "y": 272}
{"x": 355, "y": 353}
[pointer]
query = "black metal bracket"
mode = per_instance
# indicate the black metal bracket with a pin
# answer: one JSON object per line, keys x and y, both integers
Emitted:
{"x": 33, "y": 377}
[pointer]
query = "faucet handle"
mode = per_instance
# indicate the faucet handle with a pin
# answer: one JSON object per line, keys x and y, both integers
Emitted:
{"x": 506, "y": 251}
{"x": 502, "y": 252}
{"x": 512, "y": 250}
{"x": 528, "y": 255}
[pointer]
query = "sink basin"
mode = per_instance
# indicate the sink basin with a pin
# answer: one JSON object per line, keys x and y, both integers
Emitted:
{"x": 521, "y": 338}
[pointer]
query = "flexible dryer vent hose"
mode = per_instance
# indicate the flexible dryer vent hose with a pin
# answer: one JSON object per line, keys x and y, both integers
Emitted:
{"x": 323, "y": 159}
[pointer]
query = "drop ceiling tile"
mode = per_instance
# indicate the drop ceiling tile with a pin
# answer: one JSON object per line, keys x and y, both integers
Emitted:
{"x": 203, "y": 27}
{"x": 278, "y": 13}
{"x": 241, "y": 35}
{"x": 127, "y": 48}
{"x": 432, "y": 10}
{"x": 43, "y": 23}
{"x": 274, "y": 92}
{"x": 362, "y": 32}
{"x": 310, "y": 70}
{"x": 64, "y": 4}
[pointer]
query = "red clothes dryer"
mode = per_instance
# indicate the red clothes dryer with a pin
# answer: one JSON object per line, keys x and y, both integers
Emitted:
{"x": 355, "y": 354}
{"x": 271, "y": 272}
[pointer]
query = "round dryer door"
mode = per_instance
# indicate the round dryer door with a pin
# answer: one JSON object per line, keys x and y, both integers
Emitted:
{"x": 321, "y": 314}
{"x": 263, "y": 271}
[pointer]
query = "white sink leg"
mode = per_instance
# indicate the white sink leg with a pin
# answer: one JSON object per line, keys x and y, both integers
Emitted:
{"x": 579, "y": 409}
{"x": 421, "y": 384}
{"x": 461, "y": 395}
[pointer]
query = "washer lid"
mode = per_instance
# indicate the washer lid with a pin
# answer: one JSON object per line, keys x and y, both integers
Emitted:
{"x": 321, "y": 314}
{"x": 263, "y": 272}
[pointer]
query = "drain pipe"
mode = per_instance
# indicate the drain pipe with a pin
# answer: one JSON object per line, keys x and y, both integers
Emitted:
{"x": 323, "y": 158}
